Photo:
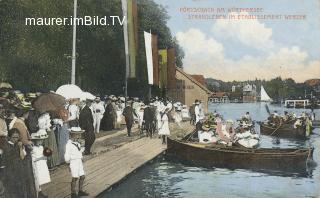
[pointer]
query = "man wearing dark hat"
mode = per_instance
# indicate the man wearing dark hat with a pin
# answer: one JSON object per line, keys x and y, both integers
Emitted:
{"x": 149, "y": 119}
{"x": 128, "y": 115}
{"x": 86, "y": 123}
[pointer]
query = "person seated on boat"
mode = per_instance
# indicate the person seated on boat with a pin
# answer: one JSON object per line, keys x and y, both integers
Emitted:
{"x": 298, "y": 123}
{"x": 206, "y": 135}
{"x": 209, "y": 122}
{"x": 243, "y": 126}
{"x": 223, "y": 133}
{"x": 246, "y": 138}
{"x": 215, "y": 113}
{"x": 286, "y": 117}
{"x": 247, "y": 118}
{"x": 275, "y": 114}
{"x": 229, "y": 128}
{"x": 274, "y": 119}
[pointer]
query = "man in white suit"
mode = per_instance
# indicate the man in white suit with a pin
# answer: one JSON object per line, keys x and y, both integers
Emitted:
{"x": 98, "y": 111}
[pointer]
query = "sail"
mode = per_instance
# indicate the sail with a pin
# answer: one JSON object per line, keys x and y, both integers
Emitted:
{"x": 264, "y": 96}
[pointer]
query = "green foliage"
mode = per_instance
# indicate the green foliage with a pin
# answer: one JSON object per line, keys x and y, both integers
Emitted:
{"x": 278, "y": 89}
{"x": 39, "y": 57}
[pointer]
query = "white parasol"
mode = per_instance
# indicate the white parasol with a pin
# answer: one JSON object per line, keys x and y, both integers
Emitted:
{"x": 70, "y": 91}
{"x": 87, "y": 96}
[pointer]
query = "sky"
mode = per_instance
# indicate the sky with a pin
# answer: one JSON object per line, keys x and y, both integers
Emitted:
{"x": 246, "y": 49}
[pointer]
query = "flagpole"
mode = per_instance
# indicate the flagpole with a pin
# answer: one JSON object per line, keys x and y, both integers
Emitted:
{"x": 74, "y": 34}
{"x": 125, "y": 36}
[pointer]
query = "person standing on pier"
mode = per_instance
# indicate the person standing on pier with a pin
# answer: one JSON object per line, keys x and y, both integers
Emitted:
{"x": 98, "y": 111}
{"x": 164, "y": 130}
{"x": 73, "y": 155}
{"x": 148, "y": 119}
{"x": 128, "y": 115}
{"x": 192, "y": 114}
{"x": 73, "y": 110}
{"x": 86, "y": 123}
{"x": 197, "y": 111}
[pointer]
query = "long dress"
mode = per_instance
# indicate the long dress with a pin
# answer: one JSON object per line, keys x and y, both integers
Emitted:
{"x": 86, "y": 123}
{"x": 14, "y": 182}
{"x": 107, "y": 123}
{"x": 40, "y": 166}
{"x": 164, "y": 126}
{"x": 51, "y": 143}
{"x": 62, "y": 136}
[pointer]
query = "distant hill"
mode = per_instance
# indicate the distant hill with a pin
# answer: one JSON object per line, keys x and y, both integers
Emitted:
{"x": 276, "y": 88}
{"x": 312, "y": 82}
{"x": 214, "y": 82}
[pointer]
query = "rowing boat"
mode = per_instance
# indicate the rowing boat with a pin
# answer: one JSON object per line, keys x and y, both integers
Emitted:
{"x": 222, "y": 156}
{"x": 284, "y": 131}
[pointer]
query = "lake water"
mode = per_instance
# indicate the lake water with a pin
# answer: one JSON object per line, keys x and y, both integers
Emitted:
{"x": 167, "y": 177}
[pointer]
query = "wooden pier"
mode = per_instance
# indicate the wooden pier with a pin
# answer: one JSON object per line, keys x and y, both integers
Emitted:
{"x": 106, "y": 169}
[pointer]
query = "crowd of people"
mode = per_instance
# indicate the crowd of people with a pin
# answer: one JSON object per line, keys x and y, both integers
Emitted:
{"x": 32, "y": 142}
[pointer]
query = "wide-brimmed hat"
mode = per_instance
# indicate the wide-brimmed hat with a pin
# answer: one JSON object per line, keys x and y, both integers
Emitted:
{"x": 230, "y": 121}
{"x": 37, "y": 136}
{"x": 31, "y": 95}
{"x": 75, "y": 130}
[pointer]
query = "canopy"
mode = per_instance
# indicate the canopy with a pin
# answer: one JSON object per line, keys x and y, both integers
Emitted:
{"x": 70, "y": 91}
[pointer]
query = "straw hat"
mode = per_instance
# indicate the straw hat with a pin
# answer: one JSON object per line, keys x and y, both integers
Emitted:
{"x": 37, "y": 136}
{"x": 75, "y": 130}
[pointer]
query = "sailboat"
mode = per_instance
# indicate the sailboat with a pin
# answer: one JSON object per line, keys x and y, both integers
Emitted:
{"x": 264, "y": 97}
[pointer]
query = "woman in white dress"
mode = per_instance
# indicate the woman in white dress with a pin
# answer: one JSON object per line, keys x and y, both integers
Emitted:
{"x": 164, "y": 130}
{"x": 41, "y": 171}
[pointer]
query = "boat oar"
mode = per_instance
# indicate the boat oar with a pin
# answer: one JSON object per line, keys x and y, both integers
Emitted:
{"x": 267, "y": 108}
{"x": 191, "y": 134}
{"x": 276, "y": 129}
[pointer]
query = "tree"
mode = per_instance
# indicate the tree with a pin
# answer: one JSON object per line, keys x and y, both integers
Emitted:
{"x": 38, "y": 57}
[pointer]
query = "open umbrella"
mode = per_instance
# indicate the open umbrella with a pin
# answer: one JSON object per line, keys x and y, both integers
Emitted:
{"x": 48, "y": 102}
{"x": 69, "y": 91}
{"x": 87, "y": 96}
{"x": 5, "y": 85}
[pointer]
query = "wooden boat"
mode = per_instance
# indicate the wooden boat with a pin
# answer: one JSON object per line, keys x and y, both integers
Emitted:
{"x": 316, "y": 123}
{"x": 221, "y": 156}
{"x": 284, "y": 131}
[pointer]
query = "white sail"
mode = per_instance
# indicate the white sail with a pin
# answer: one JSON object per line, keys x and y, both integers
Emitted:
{"x": 264, "y": 96}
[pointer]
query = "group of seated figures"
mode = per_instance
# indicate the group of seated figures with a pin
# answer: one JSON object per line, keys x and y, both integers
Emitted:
{"x": 213, "y": 129}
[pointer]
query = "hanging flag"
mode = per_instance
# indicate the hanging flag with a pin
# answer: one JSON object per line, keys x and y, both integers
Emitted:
{"x": 155, "y": 60}
{"x": 125, "y": 35}
{"x": 163, "y": 60}
{"x": 135, "y": 23}
{"x": 171, "y": 75}
{"x": 148, "y": 45}
{"x": 131, "y": 38}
